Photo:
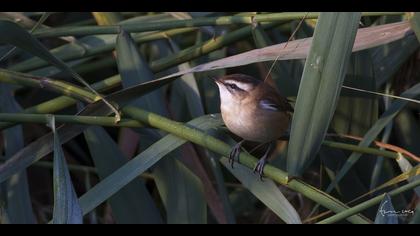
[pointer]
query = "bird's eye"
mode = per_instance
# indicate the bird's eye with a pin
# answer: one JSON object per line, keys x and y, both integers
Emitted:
{"x": 233, "y": 86}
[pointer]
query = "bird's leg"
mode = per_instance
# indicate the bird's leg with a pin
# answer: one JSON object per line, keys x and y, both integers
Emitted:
{"x": 259, "y": 167}
{"x": 236, "y": 150}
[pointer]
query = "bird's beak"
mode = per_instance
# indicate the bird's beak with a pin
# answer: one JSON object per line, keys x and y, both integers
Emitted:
{"x": 217, "y": 80}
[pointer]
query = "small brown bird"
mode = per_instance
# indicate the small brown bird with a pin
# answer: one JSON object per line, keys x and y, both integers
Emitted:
{"x": 255, "y": 111}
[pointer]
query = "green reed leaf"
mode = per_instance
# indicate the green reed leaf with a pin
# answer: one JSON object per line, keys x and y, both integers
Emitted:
{"x": 320, "y": 86}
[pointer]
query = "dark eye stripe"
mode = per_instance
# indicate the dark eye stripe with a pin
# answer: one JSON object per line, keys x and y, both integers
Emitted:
{"x": 233, "y": 86}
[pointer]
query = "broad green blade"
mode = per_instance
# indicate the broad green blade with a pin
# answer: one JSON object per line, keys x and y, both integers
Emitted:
{"x": 267, "y": 191}
{"x": 107, "y": 158}
{"x": 17, "y": 200}
{"x": 386, "y": 213}
{"x": 320, "y": 86}
{"x": 66, "y": 204}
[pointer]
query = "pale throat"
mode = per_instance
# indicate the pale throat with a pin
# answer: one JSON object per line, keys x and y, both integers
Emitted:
{"x": 232, "y": 109}
{"x": 228, "y": 103}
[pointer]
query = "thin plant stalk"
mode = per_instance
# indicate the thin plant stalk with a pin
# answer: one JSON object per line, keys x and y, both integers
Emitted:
{"x": 71, "y": 119}
{"x": 197, "y": 22}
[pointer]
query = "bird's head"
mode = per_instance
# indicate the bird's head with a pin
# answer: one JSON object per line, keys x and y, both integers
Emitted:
{"x": 236, "y": 87}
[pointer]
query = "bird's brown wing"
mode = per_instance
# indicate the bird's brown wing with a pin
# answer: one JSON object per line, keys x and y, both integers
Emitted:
{"x": 283, "y": 105}
{"x": 274, "y": 101}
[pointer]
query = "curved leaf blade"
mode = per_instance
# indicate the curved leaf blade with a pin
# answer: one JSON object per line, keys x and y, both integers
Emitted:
{"x": 19, "y": 206}
{"x": 320, "y": 86}
{"x": 134, "y": 70}
{"x": 266, "y": 191}
{"x": 66, "y": 204}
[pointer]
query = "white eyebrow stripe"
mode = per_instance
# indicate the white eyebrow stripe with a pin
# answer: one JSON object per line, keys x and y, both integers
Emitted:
{"x": 243, "y": 86}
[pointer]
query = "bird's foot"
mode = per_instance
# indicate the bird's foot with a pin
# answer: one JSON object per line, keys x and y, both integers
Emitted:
{"x": 234, "y": 154}
{"x": 259, "y": 167}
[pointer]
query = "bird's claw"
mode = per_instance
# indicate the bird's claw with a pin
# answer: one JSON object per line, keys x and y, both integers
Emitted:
{"x": 236, "y": 150}
{"x": 259, "y": 167}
